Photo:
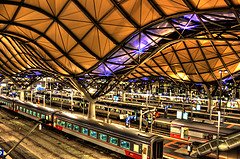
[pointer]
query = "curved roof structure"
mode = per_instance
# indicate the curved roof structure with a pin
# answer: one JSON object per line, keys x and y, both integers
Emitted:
{"x": 99, "y": 43}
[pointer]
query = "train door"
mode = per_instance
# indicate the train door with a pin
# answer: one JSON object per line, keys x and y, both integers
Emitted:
{"x": 144, "y": 151}
{"x": 157, "y": 150}
{"x": 184, "y": 132}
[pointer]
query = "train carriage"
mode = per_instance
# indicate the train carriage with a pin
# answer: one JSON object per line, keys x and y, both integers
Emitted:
{"x": 33, "y": 111}
{"x": 114, "y": 137}
{"x": 7, "y": 102}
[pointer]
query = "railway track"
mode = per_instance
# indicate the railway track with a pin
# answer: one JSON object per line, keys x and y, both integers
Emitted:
{"x": 63, "y": 144}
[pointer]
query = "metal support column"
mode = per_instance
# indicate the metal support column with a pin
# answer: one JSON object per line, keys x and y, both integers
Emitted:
{"x": 191, "y": 112}
{"x": 123, "y": 96}
{"x": 72, "y": 104}
{"x": 22, "y": 96}
{"x": 220, "y": 92}
{"x": 31, "y": 95}
{"x": 91, "y": 110}
{"x": 218, "y": 130}
{"x": 151, "y": 122}
{"x": 210, "y": 103}
{"x": 140, "y": 121}
{"x": 61, "y": 100}
{"x": 209, "y": 96}
{"x": 44, "y": 100}
{"x": 50, "y": 100}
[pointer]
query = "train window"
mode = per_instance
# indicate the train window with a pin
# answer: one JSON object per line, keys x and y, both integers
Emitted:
{"x": 58, "y": 122}
{"x": 30, "y": 112}
{"x": 93, "y": 133}
{"x": 63, "y": 123}
{"x": 47, "y": 118}
{"x": 17, "y": 107}
{"x": 85, "y": 131}
{"x": 135, "y": 147}
{"x": 113, "y": 140}
{"x": 69, "y": 125}
{"x": 42, "y": 116}
{"x": 34, "y": 113}
{"x": 125, "y": 144}
{"x": 24, "y": 109}
{"x": 103, "y": 137}
{"x": 20, "y": 109}
{"x": 76, "y": 127}
{"x": 38, "y": 115}
{"x": 27, "y": 111}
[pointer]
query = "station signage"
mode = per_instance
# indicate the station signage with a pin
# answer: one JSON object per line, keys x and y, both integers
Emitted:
{"x": 1, "y": 152}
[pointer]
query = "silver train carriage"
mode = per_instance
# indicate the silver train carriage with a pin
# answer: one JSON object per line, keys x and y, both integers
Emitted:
{"x": 114, "y": 137}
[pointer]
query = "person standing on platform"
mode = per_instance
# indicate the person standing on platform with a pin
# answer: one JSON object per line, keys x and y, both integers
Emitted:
{"x": 189, "y": 148}
{"x": 146, "y": 128}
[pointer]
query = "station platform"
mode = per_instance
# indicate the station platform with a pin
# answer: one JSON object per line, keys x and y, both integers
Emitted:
{"x": 178, "y": 150}
{"x": 224, "y": 125}
{"x": 175, "y": 149}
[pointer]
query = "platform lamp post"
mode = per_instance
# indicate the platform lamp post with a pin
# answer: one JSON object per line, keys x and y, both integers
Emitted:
{"x": 72, "y": 104}
{"x": 219, "y": 112}
{"x": 220, "y": 89}
{"x": 218, "y": 130}
{"x": 31, "y": 95}
{"x": 191, "y": 104}
{"x": 61, "y": 99}
{"x": 50, "y": 93}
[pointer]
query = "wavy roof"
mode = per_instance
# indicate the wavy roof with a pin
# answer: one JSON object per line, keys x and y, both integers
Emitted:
{"x": 99, "y": 43}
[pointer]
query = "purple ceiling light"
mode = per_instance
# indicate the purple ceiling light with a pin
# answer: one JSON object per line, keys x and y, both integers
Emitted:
{"x": 37, "y": 73}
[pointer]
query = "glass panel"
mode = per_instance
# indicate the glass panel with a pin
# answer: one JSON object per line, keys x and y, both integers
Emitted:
{"x": 24, "y": 109}
{"x": 42, "y": 116}
{"x": 58, "y": 122}
{"x": 63, "y": 123}
{"x": 76, "y": 127}
{"x": 69, "y": 125}
{"x": 30, "y": 112}
{"x": 20, "y": 108}
{"x": 38, "y": 115}
{"x": 103, "y": 137}
{"x": 34, "y": 114}
{"x": 93, "y": 133}
{"x": 125, "y": 144}
{"x": 135, "y": 148}
{"x": 47, "y": 117}
{"x": 27, "y": 111}
{"x": 113, "y": 140}
{"x": 85, "y": 131}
